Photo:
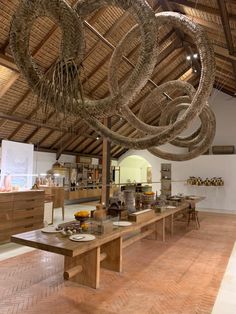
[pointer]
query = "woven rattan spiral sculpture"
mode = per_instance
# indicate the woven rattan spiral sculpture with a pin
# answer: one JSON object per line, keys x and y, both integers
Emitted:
{"x": 60, "y": 87}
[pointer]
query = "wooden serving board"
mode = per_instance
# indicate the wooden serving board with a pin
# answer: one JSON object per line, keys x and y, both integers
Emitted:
{"x": 142, "y": 215}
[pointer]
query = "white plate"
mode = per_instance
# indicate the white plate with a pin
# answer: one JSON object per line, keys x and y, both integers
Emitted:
{"x": 170, "y": 207}
{"x": 50, "y": 229}
{"x": 82, "y": 237}
{"x": 122, "y": 223}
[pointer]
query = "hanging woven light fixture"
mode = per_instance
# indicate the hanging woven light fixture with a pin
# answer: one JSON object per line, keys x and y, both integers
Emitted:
{"x": 60, "y": 87}
{"x": 59, "y": 169}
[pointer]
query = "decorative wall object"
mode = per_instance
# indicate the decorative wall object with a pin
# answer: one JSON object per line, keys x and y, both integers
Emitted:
{"x": 61, "y": 88}
{"x": 216, "y": 181}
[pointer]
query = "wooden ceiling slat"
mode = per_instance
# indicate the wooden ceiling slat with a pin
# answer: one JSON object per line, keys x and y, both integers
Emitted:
{"x": 229, "y": 39}
{"x": 199, "y": 7}
{"x": 168, "y": 7}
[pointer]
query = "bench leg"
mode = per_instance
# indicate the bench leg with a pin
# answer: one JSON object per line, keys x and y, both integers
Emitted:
{"x": 113, "y": 251}
{"x": 89, "y": 272}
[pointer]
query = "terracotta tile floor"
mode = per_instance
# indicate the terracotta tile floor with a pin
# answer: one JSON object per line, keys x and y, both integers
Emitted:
{"x": 182, "y": 275}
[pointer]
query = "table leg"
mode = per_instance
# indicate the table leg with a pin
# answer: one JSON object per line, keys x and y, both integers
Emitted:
{"x": 163, "y": 229}
{"x": 63, "y": 212}
{"x": 89, "y": 272}
{"x": 113, "y": 251}
{"x": 172, "y": 225}
{"x": 156, "y": 230}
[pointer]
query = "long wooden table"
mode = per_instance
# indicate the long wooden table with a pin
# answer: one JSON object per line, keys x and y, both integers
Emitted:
{"x": 84, "y": 259}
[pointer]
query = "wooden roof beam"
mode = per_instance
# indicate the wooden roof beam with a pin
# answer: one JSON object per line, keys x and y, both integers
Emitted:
{"x": 38, "y": 124}
{"x": 28, "y": 139}
{"x": 72, "y": 139}
{"x": 209, "y": 24}
{"x": 9, "y": 84}
{"x": 225, "y": 23}
{"x": 8, "y": 62}
{"x": 199, "y": 7}
{"x": 48, "y": 150}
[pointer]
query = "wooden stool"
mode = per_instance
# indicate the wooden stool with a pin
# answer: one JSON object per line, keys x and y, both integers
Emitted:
{"x": 193, "y": 215}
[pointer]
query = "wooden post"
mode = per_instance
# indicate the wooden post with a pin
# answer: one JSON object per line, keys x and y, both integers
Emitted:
{"x": 106, "y": 163}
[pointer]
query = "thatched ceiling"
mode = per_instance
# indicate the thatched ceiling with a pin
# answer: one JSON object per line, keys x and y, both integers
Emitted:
{"x": 22, "y": 120}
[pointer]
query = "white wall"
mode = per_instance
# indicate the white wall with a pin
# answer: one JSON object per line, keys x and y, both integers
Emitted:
{"x": 44, "y": 161}
{"x": 224, "y": 107}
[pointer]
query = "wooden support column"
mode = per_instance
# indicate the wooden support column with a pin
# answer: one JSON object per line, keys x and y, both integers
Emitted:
{"x": 106, "y": 162}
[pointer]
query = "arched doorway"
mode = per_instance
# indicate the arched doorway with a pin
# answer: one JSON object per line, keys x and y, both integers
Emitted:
{"x": 135, "y": 169}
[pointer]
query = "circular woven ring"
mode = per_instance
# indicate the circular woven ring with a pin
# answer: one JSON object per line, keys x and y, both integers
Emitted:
{"x": 73, "y": 42}
{"x": 168, "y": 133}
{"x": 210, "y": 122}
{"x": 171, "y": 113}
{"x": 72, "y": 47}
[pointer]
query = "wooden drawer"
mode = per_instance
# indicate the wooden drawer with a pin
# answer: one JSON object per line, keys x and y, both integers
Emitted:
{"x": 5, "y": 198}
{"x": 20, "y": 196}
{"x": 30, "y": 212}
{"x": 6, "y": 205}
{"x": 28, "y": 204}
{"x": 27, "y": 227}
{"x": 5, "y": 214}
{"x": 26, "y": 221}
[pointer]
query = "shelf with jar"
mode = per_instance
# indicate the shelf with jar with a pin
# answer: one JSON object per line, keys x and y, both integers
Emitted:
{"x": 166, "y": 180}
{"x": 84, "y": 180}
